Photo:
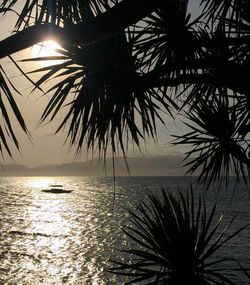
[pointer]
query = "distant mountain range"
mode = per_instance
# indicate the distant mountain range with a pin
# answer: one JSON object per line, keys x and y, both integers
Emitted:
{"x": 154, "y": 166}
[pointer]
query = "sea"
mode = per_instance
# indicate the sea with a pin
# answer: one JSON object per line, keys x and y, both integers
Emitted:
{"x": 71, "y": 238}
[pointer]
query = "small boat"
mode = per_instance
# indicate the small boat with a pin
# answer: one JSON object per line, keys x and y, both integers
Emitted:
{"x": 56, "y": 188}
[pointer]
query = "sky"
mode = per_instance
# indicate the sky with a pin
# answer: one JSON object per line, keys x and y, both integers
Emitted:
{"x": 46, "y": 148}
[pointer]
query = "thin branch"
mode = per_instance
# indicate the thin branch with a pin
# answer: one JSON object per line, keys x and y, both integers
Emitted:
{"x": 114, "y": 20}
{"x": 29, "y": 37}
{"x": 195, "y": 65}
{"x": 147, "y": 82}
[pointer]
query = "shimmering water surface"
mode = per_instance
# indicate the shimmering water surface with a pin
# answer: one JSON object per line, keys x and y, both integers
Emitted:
{"x": 69, "y": 238}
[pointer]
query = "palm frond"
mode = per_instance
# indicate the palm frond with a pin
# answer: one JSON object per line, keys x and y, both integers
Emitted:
{"x": 59, "y": 12}
{"x": 162, "y": 35}
{"x": 7, "y": 106}
{"x": 176, "y": 242}
{"x": 220, "y": 10}
{"x": 100, "y": 88}
{"x": 218, "y": 149}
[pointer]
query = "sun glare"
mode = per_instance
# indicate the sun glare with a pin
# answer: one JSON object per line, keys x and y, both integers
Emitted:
{"x": 46, "y": 49}
{"x": 39, "y": 183}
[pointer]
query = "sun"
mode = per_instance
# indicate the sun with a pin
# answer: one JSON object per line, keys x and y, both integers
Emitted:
{"x": 46, "y": 49}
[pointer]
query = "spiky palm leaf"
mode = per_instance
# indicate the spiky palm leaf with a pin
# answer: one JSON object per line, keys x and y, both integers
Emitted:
{"x": 167, "y": 50}
{"x": 59, "y": 12}
{"x": 220, "y": 10}
{"x": 162, "y": 35}
{"x": 176, "y": 240}
{"x": 102, "y": 89}
{"x": 217, "y": 148}
{"x": 8, "y": 111}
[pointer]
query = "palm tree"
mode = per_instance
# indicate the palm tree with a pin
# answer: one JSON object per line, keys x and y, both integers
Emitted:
{"x": 175, "y": 240}
{"x": 140, "y": 58}
{"x": 127, "y": 62}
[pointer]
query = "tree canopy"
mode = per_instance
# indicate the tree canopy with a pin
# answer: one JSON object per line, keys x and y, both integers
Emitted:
{"x": 130, "y": 59}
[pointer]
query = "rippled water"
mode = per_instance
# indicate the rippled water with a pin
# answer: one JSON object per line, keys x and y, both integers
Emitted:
{"x": 68, "y": 238}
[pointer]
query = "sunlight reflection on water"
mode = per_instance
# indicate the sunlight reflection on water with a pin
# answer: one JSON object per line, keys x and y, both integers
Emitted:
{"x": 56, "y": 239}
{"x": 37, "y": 182}
{"x": 64, "y": 238}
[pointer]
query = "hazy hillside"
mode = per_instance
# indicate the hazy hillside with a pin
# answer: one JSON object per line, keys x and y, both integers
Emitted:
{"x": 14, "y": 170}
{"x": 153, "y": 166}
